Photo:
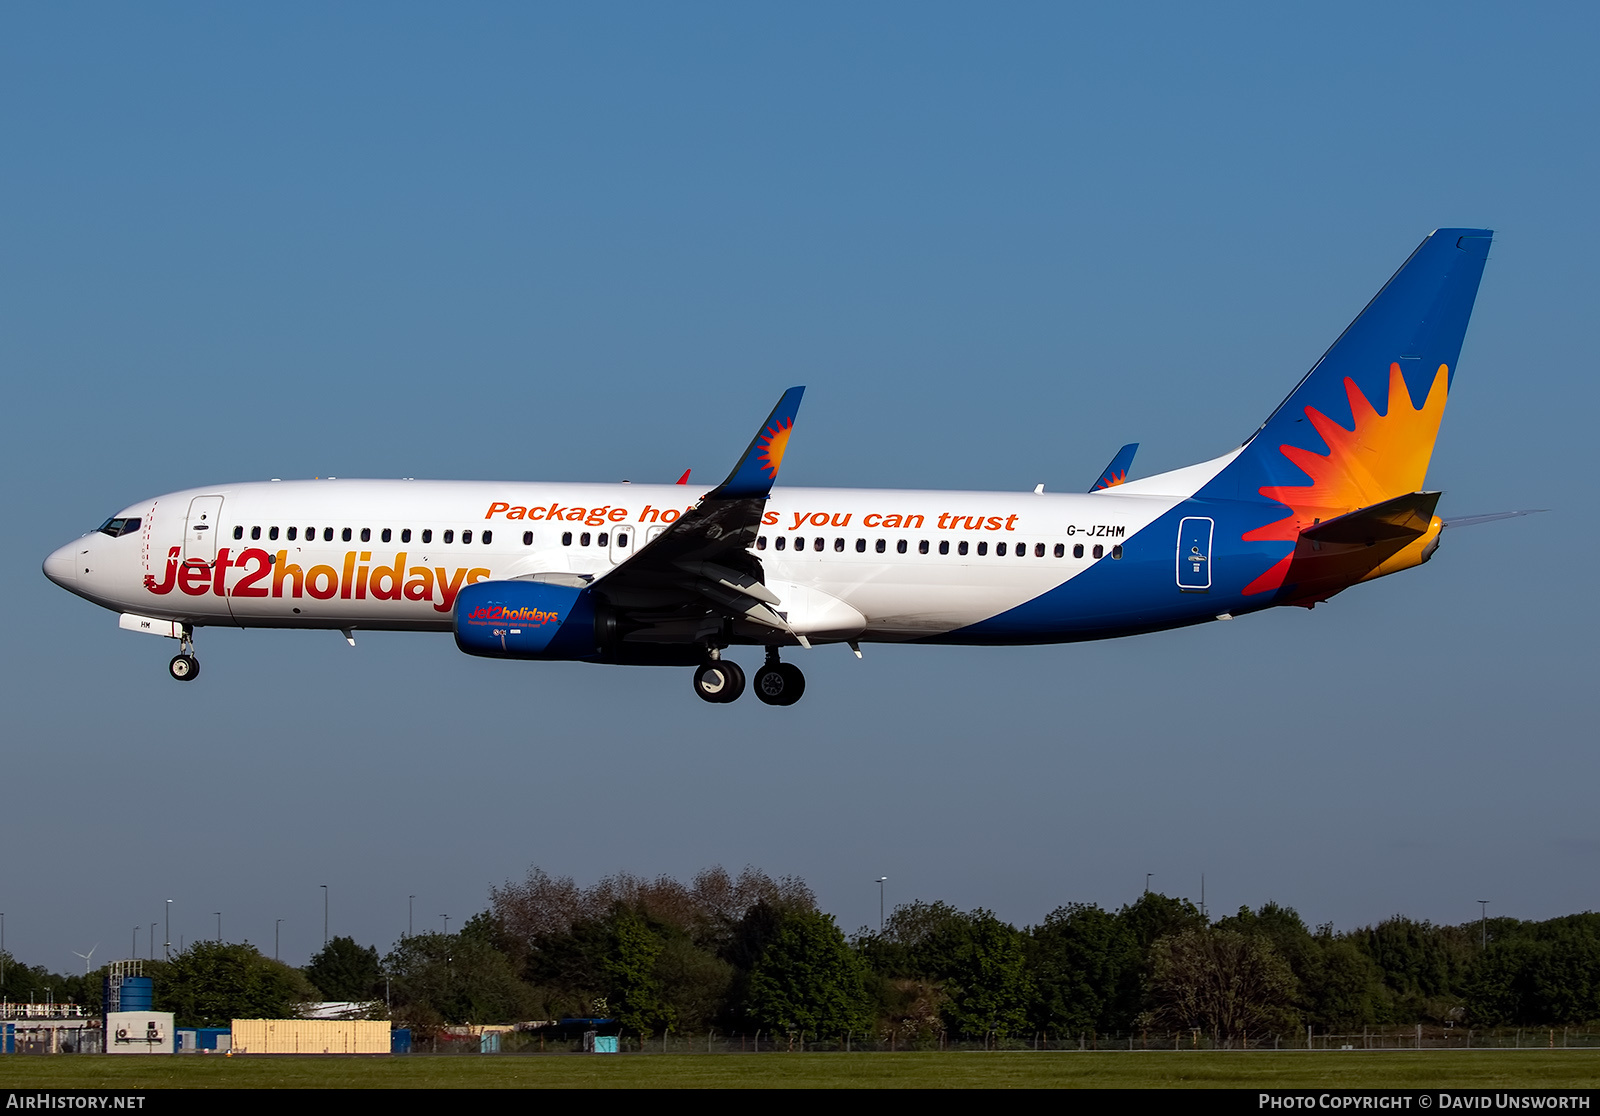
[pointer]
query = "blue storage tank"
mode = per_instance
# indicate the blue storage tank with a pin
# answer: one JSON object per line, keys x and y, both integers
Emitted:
{"x": 138, "y": 994}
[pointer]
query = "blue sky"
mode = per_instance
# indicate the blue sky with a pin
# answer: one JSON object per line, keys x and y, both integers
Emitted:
{"x": 995, "y": 244}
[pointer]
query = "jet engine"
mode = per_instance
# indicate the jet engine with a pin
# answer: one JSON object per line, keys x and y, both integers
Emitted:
{"x": 528, "y": 620}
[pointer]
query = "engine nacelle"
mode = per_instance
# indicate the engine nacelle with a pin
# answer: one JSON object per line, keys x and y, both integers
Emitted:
{"x": 527, "y": 620}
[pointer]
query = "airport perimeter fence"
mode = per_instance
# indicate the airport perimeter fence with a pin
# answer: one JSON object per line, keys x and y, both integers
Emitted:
{"x": 767, "y": 1042}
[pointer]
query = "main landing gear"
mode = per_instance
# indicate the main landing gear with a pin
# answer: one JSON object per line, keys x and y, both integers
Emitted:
{"x": 184, "y": 666}
{"x": 720, "y": 680}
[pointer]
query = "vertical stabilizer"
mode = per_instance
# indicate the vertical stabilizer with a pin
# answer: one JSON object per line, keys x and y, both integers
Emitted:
{"x": 1359, "y": 429}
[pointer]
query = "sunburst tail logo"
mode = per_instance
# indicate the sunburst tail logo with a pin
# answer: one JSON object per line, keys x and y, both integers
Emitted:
{"x": 1380, "y": 457}
{"x": 770, "y": 446}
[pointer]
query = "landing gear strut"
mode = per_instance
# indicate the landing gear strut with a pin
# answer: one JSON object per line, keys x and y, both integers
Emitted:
{"x": 779, "y": 683}
{"x": 719, "y": 681}
{"x": 184, "y": 666}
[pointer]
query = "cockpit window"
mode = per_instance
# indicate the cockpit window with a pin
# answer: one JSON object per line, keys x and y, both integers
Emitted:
{"x": 116, "y": 528}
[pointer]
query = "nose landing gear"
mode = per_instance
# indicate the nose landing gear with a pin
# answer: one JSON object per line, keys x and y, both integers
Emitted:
{"x": 184, "y": 666}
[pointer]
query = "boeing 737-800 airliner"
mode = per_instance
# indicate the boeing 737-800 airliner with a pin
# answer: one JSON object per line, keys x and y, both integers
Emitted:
{"x": 1328, "y": 492}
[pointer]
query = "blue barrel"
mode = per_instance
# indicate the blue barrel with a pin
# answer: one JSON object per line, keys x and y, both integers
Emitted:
{"x": 138, "y": 993}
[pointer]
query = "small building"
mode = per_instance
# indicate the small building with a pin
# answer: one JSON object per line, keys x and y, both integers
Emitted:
{"x": 139, "y": 1032}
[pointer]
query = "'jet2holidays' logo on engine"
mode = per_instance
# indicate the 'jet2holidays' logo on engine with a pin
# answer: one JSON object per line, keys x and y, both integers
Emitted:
{"x": 500, "y": 614}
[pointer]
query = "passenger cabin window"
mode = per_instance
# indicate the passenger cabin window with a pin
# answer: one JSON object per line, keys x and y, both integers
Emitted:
{"x": 344, "y": 535}
{"x": 1099, "y": 551}
{"x": 900, "y": 547}
{"x": 961, "y": 547}
{"x": 427, "y": 534}
{"x": 387, "y": 534}
{"x": 583, "y": 539}
{"x": 1116, "y": 553}
{"x": 449, "y": 536}
{"x": 292, "y": 532}
{"x": 602, "y": 539}
{"x": 466, "y": 536}
{"x": 255, "y": 532}
{"x": 622, "y": 539}
{"x": 1000, "y": 549}
{"x": 819, "y": 544}
{"x": 983, "y": 548}
{"x": 566, "y": 538}
{"x": 761, "y": 542}
{"x": 1077, "y": 550}
{"x": 1061, "y": 550}
{"x": 880, "y": 546}
{"x": 527, "y": 538}
{"x": 861, "y": 546}
{"x": 405, "y": 535}
{"x": 272, "y": 533}
{"x": 838, "y": 544}
{"x": 778, "y": 543}
{"x": 366, "y": 535}
{"x": 327, "y": 534}
{"x": 238, "y": 532}
{"x": 922, "y": 547}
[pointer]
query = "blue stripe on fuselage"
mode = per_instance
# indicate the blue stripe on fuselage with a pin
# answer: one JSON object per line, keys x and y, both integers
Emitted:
{"x": 1139, "y": 592}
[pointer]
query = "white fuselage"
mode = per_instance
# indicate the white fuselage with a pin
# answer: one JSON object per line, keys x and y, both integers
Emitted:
{"x": 867, "y": 564}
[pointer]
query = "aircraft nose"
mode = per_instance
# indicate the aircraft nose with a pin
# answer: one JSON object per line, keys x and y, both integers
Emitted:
{"x": 62, "y": 566}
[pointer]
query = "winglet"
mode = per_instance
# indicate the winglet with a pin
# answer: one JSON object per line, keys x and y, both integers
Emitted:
{"x": 1117, "y": 471}
{"x": 685, "y": 478}
{"x": 758, "y": 468}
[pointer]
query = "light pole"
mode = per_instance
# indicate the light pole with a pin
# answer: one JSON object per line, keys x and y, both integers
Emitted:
{"x": 2, "y": 949}
{"x": 879, "y": 882}
{"x": 1483, "y": 921}
{"x": 167, "y": 945}
{"x": 219, "y": 927}
{"x": 411, "y": 916}
{"x": 276, "y": 927}
{"x": 152, "y": 941}
{"x": 135, "y": 952}
{"x": 1147, "y": 876}
{"x": 446, "y": 924}
{"x": 324, "y": 916}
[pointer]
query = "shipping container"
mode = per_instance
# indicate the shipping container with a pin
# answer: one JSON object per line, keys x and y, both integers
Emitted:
{"x": 310, "y": 1036}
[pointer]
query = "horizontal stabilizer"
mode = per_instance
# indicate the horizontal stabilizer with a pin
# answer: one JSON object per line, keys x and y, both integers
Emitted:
{"x": 1117, "y": 472}
{"x": 1404, "y": 517}
{"x": 1474, "y": 520}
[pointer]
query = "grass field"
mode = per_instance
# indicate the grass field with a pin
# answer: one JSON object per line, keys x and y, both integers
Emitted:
{"x": 1444, "y": 1069}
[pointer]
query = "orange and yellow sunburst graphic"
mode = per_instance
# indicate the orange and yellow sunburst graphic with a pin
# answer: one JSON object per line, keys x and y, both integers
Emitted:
{"x": 773, "y": 441}
{"x": 1114, "y": 479}
{"x": 1379, "y": 458}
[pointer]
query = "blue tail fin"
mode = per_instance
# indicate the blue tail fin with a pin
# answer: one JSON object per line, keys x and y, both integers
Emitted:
{"x": 1360, "y": 427}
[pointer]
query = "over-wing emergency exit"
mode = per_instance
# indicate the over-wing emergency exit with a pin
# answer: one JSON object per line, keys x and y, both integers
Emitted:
{"x": 1327, "y": 493}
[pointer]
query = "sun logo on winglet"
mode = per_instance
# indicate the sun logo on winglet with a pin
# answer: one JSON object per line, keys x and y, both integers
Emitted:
{"x": 1111, "y": 480}
{"x": 770, "y": 446}
{"x": 1378, "y": 458}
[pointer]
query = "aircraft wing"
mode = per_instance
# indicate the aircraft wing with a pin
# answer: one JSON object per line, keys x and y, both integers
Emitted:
{"x": 698, "y": 575}
{"x": 1117, "y": 472}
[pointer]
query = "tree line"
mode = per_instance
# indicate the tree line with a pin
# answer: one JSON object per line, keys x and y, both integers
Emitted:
{"x": 752, "y": 953}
